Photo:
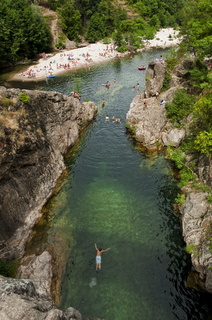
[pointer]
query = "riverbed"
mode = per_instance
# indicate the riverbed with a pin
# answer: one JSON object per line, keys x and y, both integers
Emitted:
{"x": 118, "y": 197}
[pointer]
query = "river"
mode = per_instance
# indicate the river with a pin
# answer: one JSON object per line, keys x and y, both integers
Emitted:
{"x": 118, "y": 197}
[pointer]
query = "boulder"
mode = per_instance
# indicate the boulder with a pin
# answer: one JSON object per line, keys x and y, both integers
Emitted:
{"x": 174, "y": 137}
{"x": 20, "y": 301}
{"x": 39, "y": 270}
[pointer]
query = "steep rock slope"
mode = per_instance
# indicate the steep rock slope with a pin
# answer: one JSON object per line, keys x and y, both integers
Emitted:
{"x": 34, "y": 136}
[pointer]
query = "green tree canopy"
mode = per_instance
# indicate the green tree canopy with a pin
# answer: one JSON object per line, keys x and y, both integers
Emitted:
{"x": 24, "y": 32}
{"x": 96, "y": 28}
{"x": 70, "y": 20}
{"x": 197, "y": 27}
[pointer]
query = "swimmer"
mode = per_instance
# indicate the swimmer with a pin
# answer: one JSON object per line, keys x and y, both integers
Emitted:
{"x": 103, "y": 102}
{"x": 107, "y": 84}
{"x": 98, "y": 256}
{"x": 107, "y": 117}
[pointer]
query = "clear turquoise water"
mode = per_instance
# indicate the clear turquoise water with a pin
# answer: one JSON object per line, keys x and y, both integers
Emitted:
{"x": 119, "y": 198}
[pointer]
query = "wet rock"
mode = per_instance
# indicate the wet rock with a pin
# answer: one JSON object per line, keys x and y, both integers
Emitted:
{"x": 72, "y": 313}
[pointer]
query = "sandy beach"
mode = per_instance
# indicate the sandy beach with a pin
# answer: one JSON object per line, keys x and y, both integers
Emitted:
{"x": 50, "y": 65}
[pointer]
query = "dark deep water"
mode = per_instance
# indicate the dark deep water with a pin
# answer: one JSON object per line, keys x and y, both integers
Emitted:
{"x": 119, "y": 198}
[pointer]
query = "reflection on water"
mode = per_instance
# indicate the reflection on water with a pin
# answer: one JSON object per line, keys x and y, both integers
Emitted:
{"x": 118, "y": 198}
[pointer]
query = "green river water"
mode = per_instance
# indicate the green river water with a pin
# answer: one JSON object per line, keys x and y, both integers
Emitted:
{"x": 116, "y": 196}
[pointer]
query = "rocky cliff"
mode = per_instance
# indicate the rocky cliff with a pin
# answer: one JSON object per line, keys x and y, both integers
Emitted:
{"x": 147, "y": 120}
{"x": 147, "y": 115}
{"x": 20, "y": 301}
{"x": 36, "y": 130}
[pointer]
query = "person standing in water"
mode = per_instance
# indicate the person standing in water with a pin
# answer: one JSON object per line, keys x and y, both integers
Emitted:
{"x": 98, "y": 256}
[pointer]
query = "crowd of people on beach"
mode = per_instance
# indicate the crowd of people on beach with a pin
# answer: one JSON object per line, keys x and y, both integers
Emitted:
{"x": 72, "y": 59}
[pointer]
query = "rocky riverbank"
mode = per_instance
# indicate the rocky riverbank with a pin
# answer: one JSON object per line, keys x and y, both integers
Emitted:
{"x": 149, "y": 125}
{"x": 36, "y": 131}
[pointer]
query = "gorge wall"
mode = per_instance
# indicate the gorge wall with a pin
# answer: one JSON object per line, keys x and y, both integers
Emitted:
{"x": 148, "y": 123}
{"x": 34, "y": 136}
{"x": 37, "y": 129}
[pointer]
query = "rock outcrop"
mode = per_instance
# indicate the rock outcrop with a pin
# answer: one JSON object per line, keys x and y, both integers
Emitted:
{"x": 19, "y": 300}
{"x": 36, "y": 130}
{"x": 147, "y": 115}
{"x": 196, "y": 225}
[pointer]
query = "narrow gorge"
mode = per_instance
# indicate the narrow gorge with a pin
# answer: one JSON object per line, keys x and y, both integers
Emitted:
{"x": 37, "y": 129}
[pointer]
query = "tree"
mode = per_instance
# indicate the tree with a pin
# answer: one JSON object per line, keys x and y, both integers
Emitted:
{"x": 24, "y": 32}
{"x": 96, "y": 28}
{"x": 197, "y": 27}
{"x": 70, "y": 20}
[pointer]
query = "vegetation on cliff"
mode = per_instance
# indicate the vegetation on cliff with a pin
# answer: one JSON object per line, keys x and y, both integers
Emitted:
{"x": 192, "y": 107}
{"x": 198, "y": 40}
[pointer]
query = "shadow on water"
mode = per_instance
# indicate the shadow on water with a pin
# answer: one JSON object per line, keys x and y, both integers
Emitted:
{"x": 117, "y": 197}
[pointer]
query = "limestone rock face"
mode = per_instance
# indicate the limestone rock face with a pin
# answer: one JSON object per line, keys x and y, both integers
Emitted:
{"x": 196, "y": 220}
{"x": 148, "y": 122}
{"x": 155, "y": 76}
{"x": 36, "y": 129}
{"x": 173, "y": 137}
{"x": 20, "y": 301}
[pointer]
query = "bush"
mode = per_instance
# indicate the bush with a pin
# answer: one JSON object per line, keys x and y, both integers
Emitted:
{"x": 180, "y": 107}
{"x": 192, "y": 248}
{"x": 5, "y": 102}
{"x": 24, "y": 97}
{"x": 166, "y": 82}
{"x": 177, "y": 156}
{"x": 180, "y": 199}
{"x": 60, "y": 42}
{"x": 186, "y": 175}
{"x": 203, "y": 143}
{"x": 122, "y": 48}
